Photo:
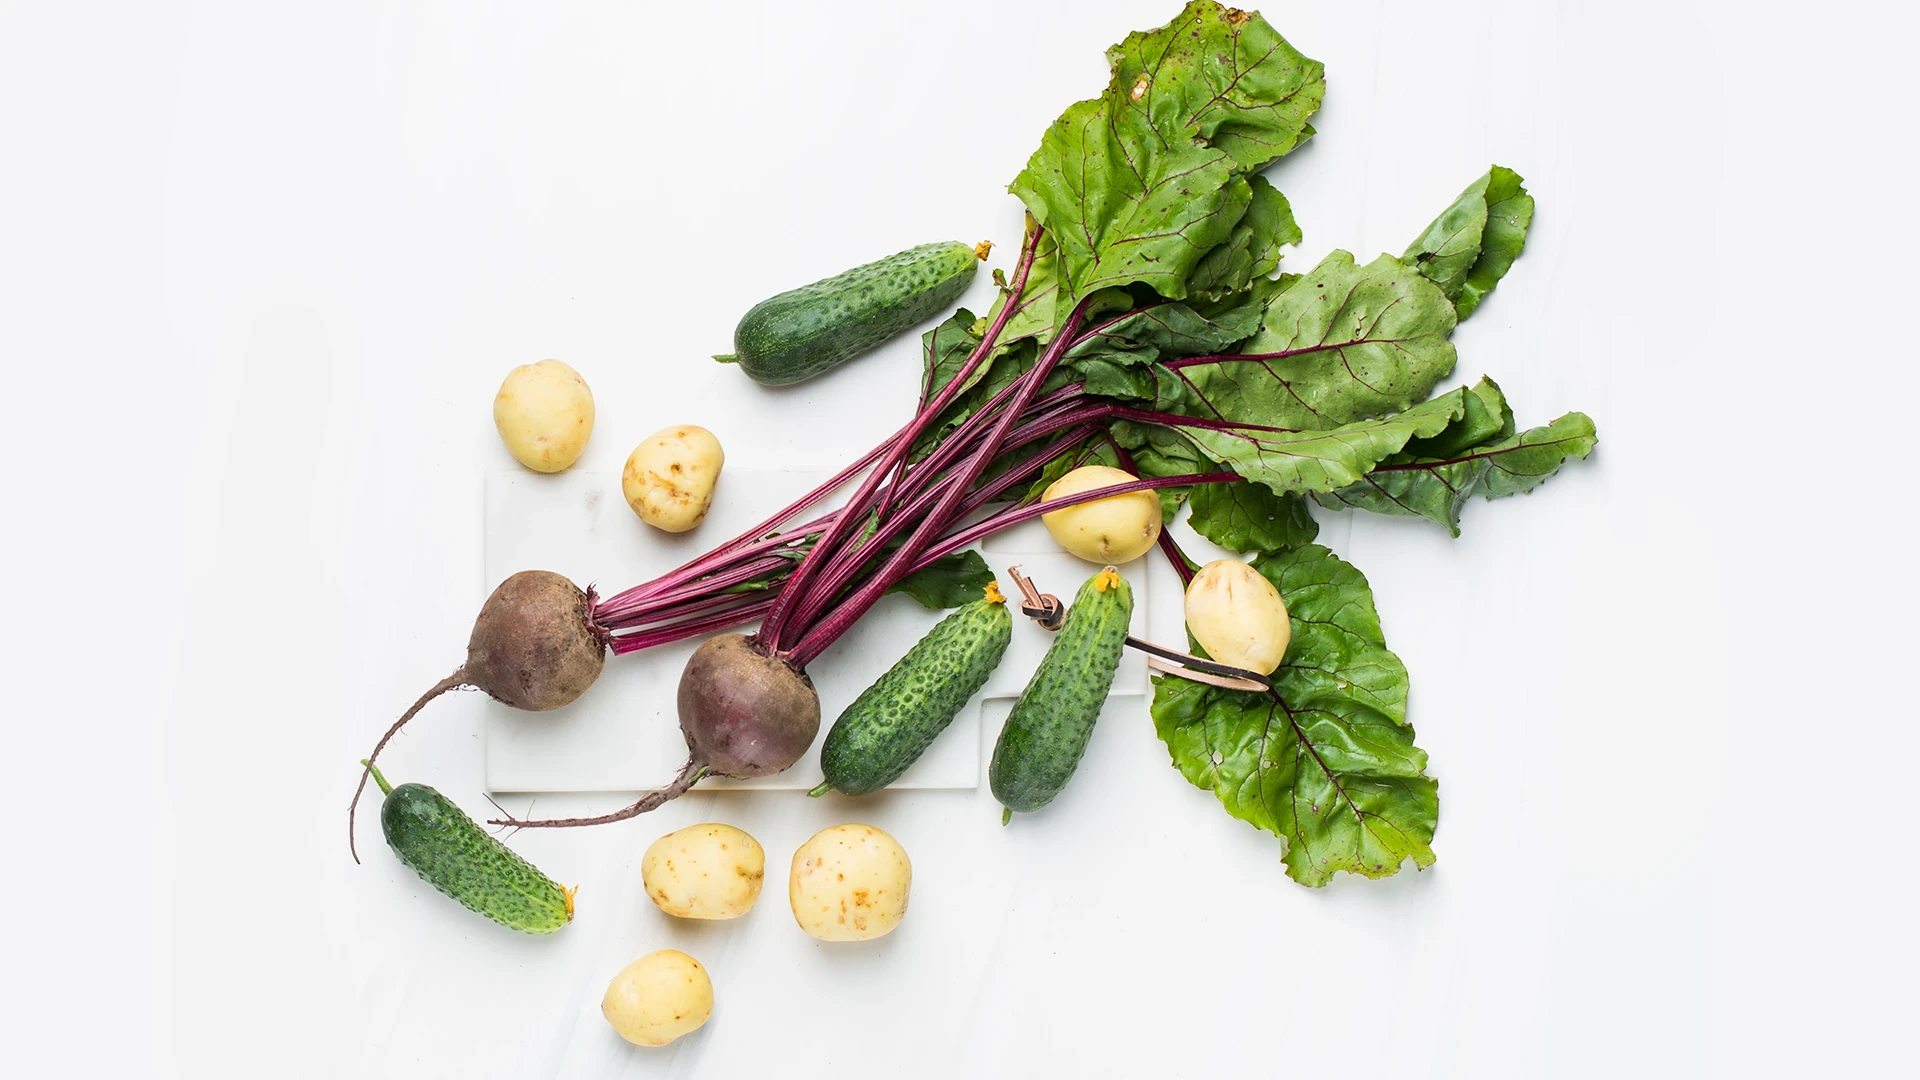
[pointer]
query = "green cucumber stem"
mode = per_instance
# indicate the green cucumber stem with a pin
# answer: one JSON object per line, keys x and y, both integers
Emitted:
{"x": 1006, "y": 814}
{"x": 385, "y": 788}
{"x": 825, "y": 786}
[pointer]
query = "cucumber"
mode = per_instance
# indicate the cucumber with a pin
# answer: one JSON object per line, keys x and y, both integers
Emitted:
{"x": 892, "y": 722}
{"x": 455, "y": 855}
{"x": 805, "y": 331}
{"x": 1047, "y": 731}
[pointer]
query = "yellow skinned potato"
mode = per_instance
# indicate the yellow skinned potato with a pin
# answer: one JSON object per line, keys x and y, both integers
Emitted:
{"x": 709, "y": 871}
{"x": 669, "y": 477}
{"x": 544, "y": 413}
{"x": 1238, "y": 617}
{"x": 849, "y": 883}
{"x": 658, "y": 998}
{"x": 1116, "y": 529}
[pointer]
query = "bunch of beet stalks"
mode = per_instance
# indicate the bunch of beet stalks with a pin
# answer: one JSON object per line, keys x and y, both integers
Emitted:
{"x": 746, "y": 705}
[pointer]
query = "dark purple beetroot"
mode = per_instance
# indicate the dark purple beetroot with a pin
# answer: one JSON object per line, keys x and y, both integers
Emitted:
{"x": 745, "y": 713}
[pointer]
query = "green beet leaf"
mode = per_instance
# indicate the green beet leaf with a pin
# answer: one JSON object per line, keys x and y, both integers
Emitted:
{"x": 1165, "y": 330}
{"x": 1111, "y": 376}
{"x": 1252, "y": 249}
{"x": 1116, "y": 225}
{"x": 1120, "y": 357}
{"x": 950, "y": 581}
{"x": 1222, "y": 76}
{"x": 1326, "y": 761}
{"x": 1035, "y": 316}
{"x": 1001, "y": 369}
{"x": 1343, "y": 343}
{"x": 1439, "y": 488}
{"x": 1139, "y": 184}
{"x": 1155, "y": 452}
{"x": 1149, "y": 333}
{"x": 1472, "y": 244}
{"x": 945, "y": 350}
{"x": 1066, "y": 458}
{"x": 1312, "y": 461}
{"x": 1484, "y": 418}
{"x": 1245, "y": 516}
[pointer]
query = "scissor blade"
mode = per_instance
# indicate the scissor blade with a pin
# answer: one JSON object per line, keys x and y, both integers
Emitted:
{"x": 1188, "y": 666}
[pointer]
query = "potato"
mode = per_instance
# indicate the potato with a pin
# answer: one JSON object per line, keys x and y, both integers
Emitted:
{"x": 1237, "y": 615}
{"x": 669, "y": 478}
{"x": 709, "y": 871}
{"x": 849, "y": 883}
{"x": 658, "y": 998}
{"x": 1116, "y": 529}
{"x": 544, "y": 412}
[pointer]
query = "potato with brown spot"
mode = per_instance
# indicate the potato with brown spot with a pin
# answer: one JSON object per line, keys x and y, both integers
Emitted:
{"x": 670, "y": 477}
{"x": 849, "y": 883}
{"x": 658, "y": 998}
{"x": 706, "y": 871}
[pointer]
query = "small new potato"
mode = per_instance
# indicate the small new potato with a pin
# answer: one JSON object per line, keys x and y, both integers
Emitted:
{"x": 669, "y": 478}
{"x": 849, "y": 883}
{"x": 544, "y": 413}
{"x": 1237, "y": 615}
{"x": 709, "y": 871}
{"x": 658, "y": 998}
{"x": 1116, "y": 529}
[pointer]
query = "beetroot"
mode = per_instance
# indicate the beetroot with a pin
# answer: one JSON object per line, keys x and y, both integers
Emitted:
{"x": 534, "y": 646}
{"x": 534, "y": 643}
{"x": 745, "y": 713}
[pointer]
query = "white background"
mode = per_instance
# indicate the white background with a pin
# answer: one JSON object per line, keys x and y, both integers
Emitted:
{"x": 262, "y": 266}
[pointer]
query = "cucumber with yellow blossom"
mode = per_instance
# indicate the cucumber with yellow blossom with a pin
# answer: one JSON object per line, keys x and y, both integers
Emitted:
{"x": 1046, "y": 733}
{"x": 892, "y": 722}
{"x": 452, "y": 853}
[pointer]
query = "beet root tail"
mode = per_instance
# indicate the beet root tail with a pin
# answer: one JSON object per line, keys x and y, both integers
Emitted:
{"x": 690, "y": 774}
{"x": 452, "y": 682}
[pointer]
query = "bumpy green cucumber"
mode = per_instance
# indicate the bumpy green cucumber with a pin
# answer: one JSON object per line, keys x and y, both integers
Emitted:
{"x": 455, "y": 855}
{"x": 805, "y": 331}
{"x": 892, "y": 722}
{"x": 1047, "y": 731}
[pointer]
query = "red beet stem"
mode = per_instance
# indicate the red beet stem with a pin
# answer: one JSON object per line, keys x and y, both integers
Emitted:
{"x": 692, "y": 628}
{"x": 849, "y": 562}
{"x": 650, "y": 608}
{"x": 694, "y": 568}
{"x": 895, "y": 493}
{"x": 856, "y": 509}
{"x": 899, "y": 564}
{"x": 1015, "y": 515}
